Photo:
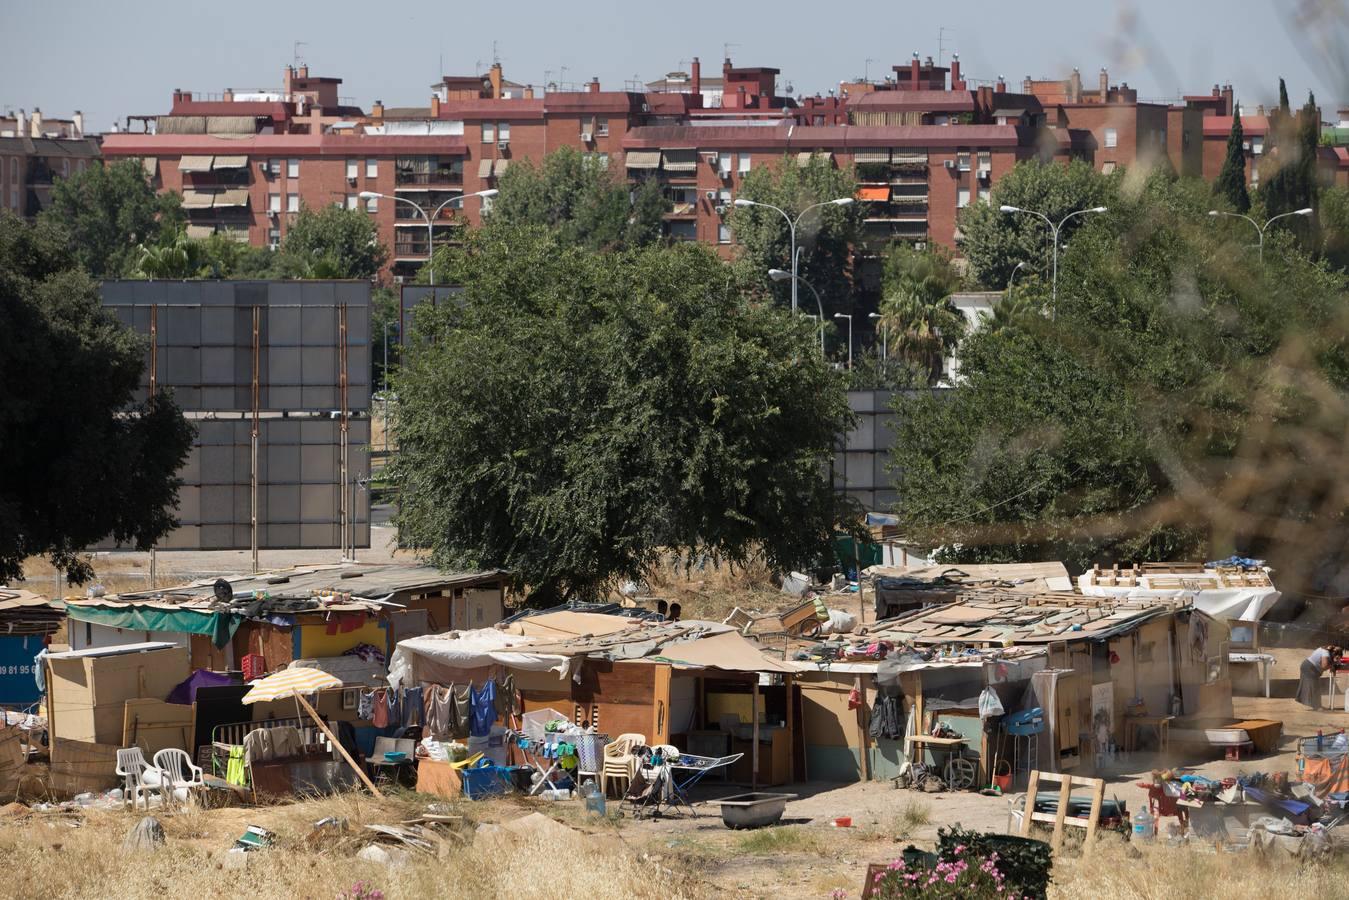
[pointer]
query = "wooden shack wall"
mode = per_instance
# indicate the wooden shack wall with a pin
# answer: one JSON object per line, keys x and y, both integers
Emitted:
{"x": 618, "y": 697}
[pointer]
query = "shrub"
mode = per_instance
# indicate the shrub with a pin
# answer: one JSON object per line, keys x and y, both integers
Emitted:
{"x": 1022, "y": 862}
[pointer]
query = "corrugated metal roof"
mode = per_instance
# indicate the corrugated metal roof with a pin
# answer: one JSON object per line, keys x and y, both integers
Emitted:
{"x": 925, "y": 101}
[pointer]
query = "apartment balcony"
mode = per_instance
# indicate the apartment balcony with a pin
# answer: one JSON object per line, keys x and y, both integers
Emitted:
{"x": 411, "y": 181}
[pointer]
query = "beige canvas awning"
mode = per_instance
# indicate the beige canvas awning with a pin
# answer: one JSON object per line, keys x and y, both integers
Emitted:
{"x": 199, "y": 232}
{"x": 231, "y": 124}
{"x": 871, "y": 156}
{"x": 727, "y": 651}
{"x": 198, "y": 199}
{"x": 679, "y": 160}
{"x": 643, "y": 159}
{"x": 804, "y": 157}
{"x": 484, "y": 168}
{"x": 151, "y": 166}
{"x": 499, "y": 167}
{"x": 232, "y": 197}
{"x": 231, "y": 162}
{"x": 196, "y": 163}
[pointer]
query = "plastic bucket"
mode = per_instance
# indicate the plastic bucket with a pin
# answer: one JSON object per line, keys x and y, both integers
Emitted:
{"x": 1002, "y": 780}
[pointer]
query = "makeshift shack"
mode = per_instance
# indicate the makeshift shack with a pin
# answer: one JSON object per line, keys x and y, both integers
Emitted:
{"x": 27, "y": 620}
{"x": 95, "y": 698}
{"x": 301, "y": 613}
{"x": 696, "y": 685}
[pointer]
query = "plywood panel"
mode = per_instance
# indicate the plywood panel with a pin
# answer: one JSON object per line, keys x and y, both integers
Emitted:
{"x": 155, "y": 725}
{"x": 316, "y": 642}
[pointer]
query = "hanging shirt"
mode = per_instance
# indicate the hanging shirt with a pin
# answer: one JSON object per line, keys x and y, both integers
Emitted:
{"x": 379, "y": 716}
{"x": 463, "y": 711}
{"x": 412, "y": 706}
{"x": 483, "y": 709}
{"x": 365, "y": 706}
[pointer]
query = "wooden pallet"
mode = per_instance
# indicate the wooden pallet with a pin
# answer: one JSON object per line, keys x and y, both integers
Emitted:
{"x": 1060, "y": 818}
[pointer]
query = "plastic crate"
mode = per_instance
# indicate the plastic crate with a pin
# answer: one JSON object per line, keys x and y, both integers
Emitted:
{"x": 485, "y": 780}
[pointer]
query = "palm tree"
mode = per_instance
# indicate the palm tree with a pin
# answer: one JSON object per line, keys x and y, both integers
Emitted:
{"x": 922, "y": 324}
{"x": 175, "y": 256}
{"x": 1014, "y": 311}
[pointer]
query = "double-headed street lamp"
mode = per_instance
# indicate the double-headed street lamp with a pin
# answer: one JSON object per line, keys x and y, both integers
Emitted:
{"x": 783, "y": 275}
{"x": 1260, "y": 229}
{"x": 849, "y": 318}
{"x": 791, "y": 225}
{"x": 430, "y": 219}
{"x": 1054, "y": 232}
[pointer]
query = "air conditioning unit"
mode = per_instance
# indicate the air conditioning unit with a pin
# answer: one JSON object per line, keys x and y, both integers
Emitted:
{"x": 502, "y": 145}
{"x": 950, "y": 164}
{"x": 711, "y": 157}
{"x": 587, "y": 137}
{"x": 710, "y": 195}
{"x": 985, "y": 174}
{"x": 273, "y": 214}
{"x": 351, "y": 180}
{"x": 398, "y": 279}
{"x": 721, "y": 209}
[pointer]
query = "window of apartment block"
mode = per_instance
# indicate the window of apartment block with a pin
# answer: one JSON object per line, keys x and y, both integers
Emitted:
{"x": 601, "y": 127}
{"x": 1111, "y": 137}
{"x": 962, "y": 197}
{"x": 1257, "y": 146}
{"x": 292, "y": 203}
{"x": 371, "y": 204}
{"x": 985, "y": 160}
{"x": 352, "y": 168}
{"x": 485, "y": 204}
{"x": 963, "y": 161}
{"x": 744, "y": 163}
{"x": 723, "y": 233}
{"x": 724, "y": 164}
{"x": 351, "y": 201}
{"x": 372, "y": 168}
{"x": 503, "y": 131}
{"x": 1255, "y": 175}
{"x": 292, "y": 168}
{"x": 985, "y": 194}
{"x": 1107, "y": 168}
{"x": 273, "y": 167}
{"x": 489, "y": 132}
{"x": 273, "y": 237}
{"x": 14, "y": 197}
{"x": 274, "y": 203}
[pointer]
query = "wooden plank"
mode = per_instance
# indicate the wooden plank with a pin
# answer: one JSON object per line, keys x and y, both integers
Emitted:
{"x": 1093, "y": 817}
{"x": 338, "y": 745}
{"x": 1061, "y": 814}
{"x": 1032, "y": 791}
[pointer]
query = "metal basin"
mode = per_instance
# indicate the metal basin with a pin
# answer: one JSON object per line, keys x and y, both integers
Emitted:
{"x": 753, "y": 810}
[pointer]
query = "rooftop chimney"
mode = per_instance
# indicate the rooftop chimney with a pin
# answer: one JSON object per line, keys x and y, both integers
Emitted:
{"x": 696, "y": 76}
{"x": 435, "y": 106}
{"x": 1227, "y": 99}
{"x": 956, "y": 83}
{"x": 377, "y": 110}
{"x": 228, "y": 96}
{"x": 304, "y": 71}
{"x": 1001, "y": 87}
{"x": 529, "y": 92}
{"x": 21, "y": 123}
{"x": 594, "y": 85}
{"x": 1260, "y": 109}
{"x": 494, "y": 76}
{"x": 913, "y": 72}
{"x": 78, "y": 120}
{"x": 1075, "y": 86}
{"x": 35, "y": 129}
{"x": 1026, "y": 85}
{"x": 1105, "y": 84}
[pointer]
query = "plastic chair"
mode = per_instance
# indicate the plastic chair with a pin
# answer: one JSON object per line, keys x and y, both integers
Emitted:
{"x": 620, "y": 760}
{"x": 139, "y": 778}
{"x": 179, "y": 775}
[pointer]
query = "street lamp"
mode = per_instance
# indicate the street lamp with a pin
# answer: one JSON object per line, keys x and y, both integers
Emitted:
{"x": 1011, "y": 279}
{"x": 783, "y": 275}
{"x": 1260, "y": 229}
{"x": 791, "y": 225}
{"x": 849, "y": 318}
{"x": 430, "y": 219}
{"x": 1054, "y": 229}
{"x": 885, "y": 337}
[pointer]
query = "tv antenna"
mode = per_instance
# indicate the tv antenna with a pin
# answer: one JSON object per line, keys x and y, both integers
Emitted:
{"x": 866, "y": 69}
{"x": 726, "y": 50}
{"x": 296, "y": 56}
{"x": 941, "y": 42}
{"x": 496, "y": 56}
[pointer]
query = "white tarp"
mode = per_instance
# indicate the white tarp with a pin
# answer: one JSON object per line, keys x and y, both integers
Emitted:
{"x": 416, "y": 658}
{"x": 1247, "y": 604}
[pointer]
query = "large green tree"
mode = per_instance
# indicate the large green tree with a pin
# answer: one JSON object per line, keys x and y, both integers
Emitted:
{"x": 920, "y": 323}
{"x": 1184, "y": 402}
{"x": 996, "y": 241}
{"x": 825, "y": 235}
{"x": 108, "y": 211}
{"x": 582, "y": 199}
{"x": 82, "y": 460}
{"x": 580, "y": 413}
{"x": 1231, "y": 183}
{"x": 331, "y": 242}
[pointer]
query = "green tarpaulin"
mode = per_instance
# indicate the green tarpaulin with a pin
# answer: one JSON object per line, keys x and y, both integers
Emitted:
{"x": 220, "y": 626}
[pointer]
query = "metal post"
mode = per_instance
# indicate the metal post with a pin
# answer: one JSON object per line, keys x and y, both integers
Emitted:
{"x": 754, "y": 752}
{"x": 154, "y": 386}
{"x": 385, "y": 402}
{"x": 152, "y": 567}
{"x": 253, "y": 442}
{"x": 795, "y": 257}
{"x": 849, "y": 343}
{"x": 345, "y": 511}
{"x": 430, "y": 246}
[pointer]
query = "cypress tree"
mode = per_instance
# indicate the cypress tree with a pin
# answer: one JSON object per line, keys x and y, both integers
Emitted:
{"x": 1283, "y": 98}
{"x": 1231, "y": 183}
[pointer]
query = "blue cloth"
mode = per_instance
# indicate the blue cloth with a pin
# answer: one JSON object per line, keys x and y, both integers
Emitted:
{"x": 412, "y": 706}
{"x": 482, "y": 709}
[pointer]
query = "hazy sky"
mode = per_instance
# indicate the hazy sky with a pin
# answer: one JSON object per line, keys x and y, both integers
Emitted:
{"x": 111, "y": 59}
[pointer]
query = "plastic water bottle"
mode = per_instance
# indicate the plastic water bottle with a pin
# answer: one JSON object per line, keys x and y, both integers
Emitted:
{"x": 1144, "y": 826}
{"x": 594, "y": 799}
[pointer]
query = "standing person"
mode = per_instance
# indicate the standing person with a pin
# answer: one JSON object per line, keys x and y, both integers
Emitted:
{"x": 1308, "y": 688}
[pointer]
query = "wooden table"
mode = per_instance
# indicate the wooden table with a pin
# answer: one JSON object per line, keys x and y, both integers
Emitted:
{"x": 951, "y": 746}
{"x": 1161, "y": 723}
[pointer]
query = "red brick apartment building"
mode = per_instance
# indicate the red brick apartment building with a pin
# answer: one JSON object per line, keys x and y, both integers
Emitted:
{"x": 925, "y": 142}
{"x": 34, "y": 152}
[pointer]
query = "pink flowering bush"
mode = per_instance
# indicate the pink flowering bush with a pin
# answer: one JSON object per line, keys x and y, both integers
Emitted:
{"x": 964, "y": 878}
{"x": 361, "y": 890}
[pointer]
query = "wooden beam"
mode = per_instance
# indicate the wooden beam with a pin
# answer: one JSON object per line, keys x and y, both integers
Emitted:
{"x": 1094, "y": 817}
{"x": 1032, "y": 790}
{"x": 754, "y": 750}
{"x": 1065, "y": 797}
{"x": 338, "y": 744}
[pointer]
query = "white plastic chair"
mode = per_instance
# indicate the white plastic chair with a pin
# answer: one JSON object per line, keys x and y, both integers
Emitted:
{"x": 179, "y": 776}
{"x": 139, "y": 778}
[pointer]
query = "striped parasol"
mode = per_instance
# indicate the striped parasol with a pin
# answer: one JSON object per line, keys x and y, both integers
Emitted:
{"x": 290, "y": 683}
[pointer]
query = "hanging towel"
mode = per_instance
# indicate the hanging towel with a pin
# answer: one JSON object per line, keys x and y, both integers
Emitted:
{"x": 394, "y": 699}
{"x": 505, "y": 698}
{"x": 236, "y": 773}
{"x": 412, "y": 706}
{"x": 379, "y": 716}
{"x": 463, "y": 711}
{"x": 483, "y": 709}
